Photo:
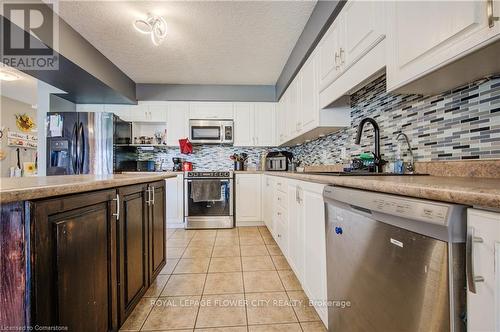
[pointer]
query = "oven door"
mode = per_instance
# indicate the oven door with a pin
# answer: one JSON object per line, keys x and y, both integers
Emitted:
{"x": 203, "y": 131}
{"x": 221, "y": 207}
{"x": 209, "y": 214}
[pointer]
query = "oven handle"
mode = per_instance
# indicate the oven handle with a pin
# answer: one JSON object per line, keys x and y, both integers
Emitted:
{"x": 221, "y": 180}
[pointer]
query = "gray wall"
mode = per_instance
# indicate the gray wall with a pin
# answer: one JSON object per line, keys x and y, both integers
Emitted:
{"x": 321, "y": 18}
{"x": 193, "y": 92}
{"x": 58, "y": 104}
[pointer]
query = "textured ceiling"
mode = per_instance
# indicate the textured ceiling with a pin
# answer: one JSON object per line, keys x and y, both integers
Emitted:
{"x": 208, "y": 42}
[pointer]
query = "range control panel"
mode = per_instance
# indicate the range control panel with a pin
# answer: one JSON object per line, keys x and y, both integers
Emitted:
{"x": 209, "y": 174}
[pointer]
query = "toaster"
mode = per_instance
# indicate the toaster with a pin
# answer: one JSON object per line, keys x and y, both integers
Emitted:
{"x": 278, "y": 161}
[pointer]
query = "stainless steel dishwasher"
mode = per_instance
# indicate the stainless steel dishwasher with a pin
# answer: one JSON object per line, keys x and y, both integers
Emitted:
{"x": 394, "y": 263}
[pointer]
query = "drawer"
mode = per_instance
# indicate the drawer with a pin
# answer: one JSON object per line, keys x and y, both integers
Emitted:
{"x": 280, "y": 214}
{"x": 281, "y": 199}
{"x": 281, "y": 185}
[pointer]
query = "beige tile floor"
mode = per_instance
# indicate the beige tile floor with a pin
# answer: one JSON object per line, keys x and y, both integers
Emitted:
{"x": 230, "y": 280}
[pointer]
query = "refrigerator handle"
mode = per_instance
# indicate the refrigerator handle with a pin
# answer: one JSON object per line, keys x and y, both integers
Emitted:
{"x": 74, "y": 145}
{"x": 81, "y": 153}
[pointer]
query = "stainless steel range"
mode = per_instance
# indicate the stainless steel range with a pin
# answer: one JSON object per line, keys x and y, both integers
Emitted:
{"x": 208, "y": 200}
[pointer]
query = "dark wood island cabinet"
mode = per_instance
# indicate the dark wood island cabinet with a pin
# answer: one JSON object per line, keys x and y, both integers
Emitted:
{"x": 92, "y": 256}
{"x": 141, "y": 241}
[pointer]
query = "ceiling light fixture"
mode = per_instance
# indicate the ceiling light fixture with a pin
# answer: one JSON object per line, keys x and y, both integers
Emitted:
{"x": 154, "y": 25}
{"x": 8, "y": 75}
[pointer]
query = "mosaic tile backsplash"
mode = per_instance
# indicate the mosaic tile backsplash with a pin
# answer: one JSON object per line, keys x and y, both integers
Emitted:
{"x": 460, "y": 124}
{"x": 204, "y": 157}
{"x": 463, "y": 123}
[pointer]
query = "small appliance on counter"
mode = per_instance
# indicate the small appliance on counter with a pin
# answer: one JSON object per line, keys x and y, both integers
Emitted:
{"x": 278, "y": 161}
{"x": 187, "y": 166}
{"x": 177, "y": 164}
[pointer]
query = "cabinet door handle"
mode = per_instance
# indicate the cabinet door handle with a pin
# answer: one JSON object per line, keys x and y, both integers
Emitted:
{"x": 342, "y": 56}
{"x": 491, "y": 17}
{"x": 117, "y": 200}
{"x": 471, "y": 277}
{"x": 153, "y": 194}
{"x": 148, "y": 200}
{"x": 337, "y": 57}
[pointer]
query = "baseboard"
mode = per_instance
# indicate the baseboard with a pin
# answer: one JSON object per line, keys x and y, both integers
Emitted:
{"x": 249, "y": 223}
{"x": 175, "y": 225}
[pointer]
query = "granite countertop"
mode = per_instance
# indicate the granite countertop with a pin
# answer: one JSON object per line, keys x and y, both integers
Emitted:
{"x": 480, "y": 192}
{"x": 29, "y": 188}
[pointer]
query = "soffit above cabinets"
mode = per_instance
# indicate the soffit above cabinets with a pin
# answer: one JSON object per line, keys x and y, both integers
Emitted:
{"x": 208, "y": 42}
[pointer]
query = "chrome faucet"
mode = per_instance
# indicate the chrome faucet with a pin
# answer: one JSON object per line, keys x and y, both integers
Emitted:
{"x": 410, "y": 166}
{"x": 378, "y": 159}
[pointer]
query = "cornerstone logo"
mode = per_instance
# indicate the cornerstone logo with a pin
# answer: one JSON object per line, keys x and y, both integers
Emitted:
{"x": 29, "y": 36}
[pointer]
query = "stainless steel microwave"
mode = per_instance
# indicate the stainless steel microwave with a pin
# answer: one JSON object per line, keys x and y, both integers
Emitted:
{"x": 211, "y": 131}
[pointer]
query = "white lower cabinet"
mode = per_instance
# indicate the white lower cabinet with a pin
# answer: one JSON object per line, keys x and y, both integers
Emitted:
{"x": 267, "y": 202}
{"x": 483, "y": 303}
{"x": 310, "y": 196}
{"x": 299, "y": 230}
{"x": 248, "y": 199}
{"x": 174, "y": 188}
{"x": 295, "y": 231}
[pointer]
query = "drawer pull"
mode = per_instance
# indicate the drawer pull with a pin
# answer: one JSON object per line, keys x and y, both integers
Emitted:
{"x": 470, "y": 247}
{"x": 117, "y": 214}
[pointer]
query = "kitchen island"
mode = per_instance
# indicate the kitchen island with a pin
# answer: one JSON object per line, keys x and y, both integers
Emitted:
{"x": 78, "y": 252}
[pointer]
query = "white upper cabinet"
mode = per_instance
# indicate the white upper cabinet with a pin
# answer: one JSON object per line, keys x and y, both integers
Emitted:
{"x": 426, "y": 35}
{"x": 157, "y": 113}
{"x": 136, "y": 113}
{"x": 299, "y": 116}
{"x": 292, "y": 108}
{"x": 142, "y": 112}
{"x": 364, "y": 24}
{"x": 352, "y": 50}
{"x": 265, "y": 124}
{"x": 308, "y": 115}
{"x": 359, "y": 28}
{"x": 177, "y": 122}
{"x": 329, "y": 53}
{"x": 244, "y": 124}
{"x": 210, "y": 110}
{"x": 254, "y": 124}
{"x": 280, "y": 121}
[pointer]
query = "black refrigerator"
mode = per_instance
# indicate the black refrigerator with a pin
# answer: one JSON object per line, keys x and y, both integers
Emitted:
{"x": 79, "y": 143}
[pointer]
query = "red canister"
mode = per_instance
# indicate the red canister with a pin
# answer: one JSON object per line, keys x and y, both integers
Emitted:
{"x": 187, "y": 166}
